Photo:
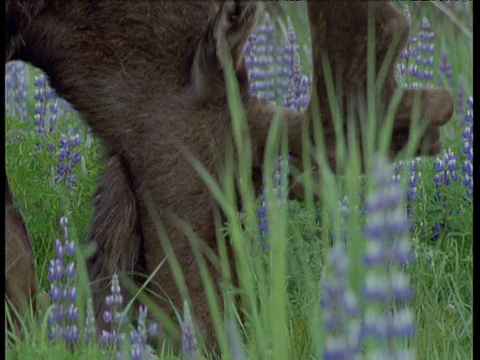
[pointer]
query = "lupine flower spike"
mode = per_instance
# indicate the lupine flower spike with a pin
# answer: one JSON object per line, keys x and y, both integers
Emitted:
{"x": 281, "y": 195}
{"x": 423, "y": 69}
{"x": 294, "y": 85}
{"x": 189, "y": 341}
{"x": 387, "y": 231}
{"x": 260, "y": 58}
{"x": 340, "y": 309}
{"x": 61, "y": 273}
{"x": 68, "y": 158}
{"x": 467, "y": 135}
{"x": 140, "y": 350}
{"x": 16, "y": 89}
{"x": 114, "y": 316}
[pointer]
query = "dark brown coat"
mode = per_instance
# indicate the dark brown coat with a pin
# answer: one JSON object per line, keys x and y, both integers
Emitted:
{"x": 20, "y": 281}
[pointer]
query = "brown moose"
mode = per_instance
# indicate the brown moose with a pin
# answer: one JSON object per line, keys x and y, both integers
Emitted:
{"x": 147, "y": 77}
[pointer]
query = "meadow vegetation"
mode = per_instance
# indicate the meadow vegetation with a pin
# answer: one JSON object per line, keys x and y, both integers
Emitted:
{"x": 381, "y": 267}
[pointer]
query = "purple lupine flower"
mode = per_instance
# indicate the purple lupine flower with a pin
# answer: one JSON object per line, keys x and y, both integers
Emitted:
{"x": 16, "y": 89}
{"x": 345, "y": 210}
{"x": 396, "y": 177}
{"x": 287, "y": 58}
{"x": 46, "y": 106}
{"x": 276, "y": 74}
{"x": 90, "y": 327}
{"x": 340, "y": 308}
{"x": 140, "y": 350}
{"x": 363, "y": 182}
{"x": 280, "y": 178}
{"x": 46, "y": 109}
{"x": 41, "y": 97}
{"x": 345, "y": 207}
{"x": 422, "y": 70}
{"x": 413, "y": 178}
{"x": 446, "y": 169}
{"x": 281, "y": 194}
{"x": 467, "y": 135}
{"x": 114, "y": 300}
{"x": 68, "y": 158}
{"x": 297, "y": 96}
{"x": 189, "y": 341}
{"x": 106, "y": 337}
{"x": 460, "y": 108}
{"x": 114, "y": 317}
{"x": 63, "y": 293}
{"x": 260, "y": 59}
{"x": 387, "y": 231}
{"x": 293, "y": 84}
{"x": 445, "y": 68}
{"x": 408, "y": 55}
{"x": 263, "y": 221}
{"x": 235, "y": 344}
{"x": 53, "y": 111}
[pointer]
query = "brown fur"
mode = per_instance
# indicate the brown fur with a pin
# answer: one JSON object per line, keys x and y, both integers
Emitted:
{"x": 340, "y": 32}
{"x": 20, "y": 281}
{"x": 148, "y": 79}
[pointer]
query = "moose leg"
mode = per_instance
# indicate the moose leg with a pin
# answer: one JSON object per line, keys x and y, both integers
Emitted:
{"x": 20, "y": 280}
{"x": 115, "y": 231}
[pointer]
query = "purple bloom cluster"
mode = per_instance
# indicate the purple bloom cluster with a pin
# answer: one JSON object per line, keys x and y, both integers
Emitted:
{"x": 345, "y": 210}
{"x": 90, "y": 327}
{"x": 116, "y": 317}
{"x": 446, "y": 167}
{"x": 235, "y": 344}
{"x": 423, "y": 68}
{"x": 64, "y": 316}
{"x": 446, "y": 69}
{"x": 340, "y": 309}
{"x": 467, "y": 135}
{"x": 189, "y": 341}
{"x": 295, "y": 89}
{"x": 412, "y": 181}
{"x": 387, "y": 231}
{"x": 460, "y": 107}
{"x": 45, "y": 106}
{"x": 417, "y": 59}
{"x": 387, "y": 227}
{"x": 140, "y": 350}
{"x": 413, "y": 178}
{"x": 61, "y": 273}
{"x": 281, "y": 195}
{"x": 48, "y": 109}
{"x": 408, "y": 54}
{"x": 260, "y": 58}
{"x": 68, "y": 158}
{"x": 16, "y": 89}
{"x": 275, "y": 73}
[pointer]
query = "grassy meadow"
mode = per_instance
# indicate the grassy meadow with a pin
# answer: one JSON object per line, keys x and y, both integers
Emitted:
{"x": 316, "y": 281}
